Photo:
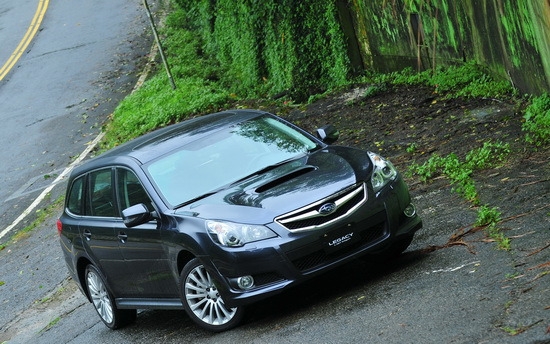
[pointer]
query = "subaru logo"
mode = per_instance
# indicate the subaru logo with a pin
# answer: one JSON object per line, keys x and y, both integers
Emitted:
{"x": 327, "y": 208}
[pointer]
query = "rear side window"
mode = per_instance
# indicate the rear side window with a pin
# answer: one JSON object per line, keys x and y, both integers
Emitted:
{"x": 76, "y": 197}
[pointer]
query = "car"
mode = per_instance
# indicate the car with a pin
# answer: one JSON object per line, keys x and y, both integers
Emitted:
{"x": 217, "y": 212}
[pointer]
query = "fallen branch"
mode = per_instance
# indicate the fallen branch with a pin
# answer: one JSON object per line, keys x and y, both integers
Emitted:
{"x": 540, "y": 275}
{"x": 457, "y": 237}
{"x": 450, "y": 243}
{"x": 523, "y": 214}
{"x": 530, "y": 183}
{"x": 538, "y": 250}
{"x": 521, "y": 235}
{"x": 460, "y": 233}
{"x": 540, "y": 266}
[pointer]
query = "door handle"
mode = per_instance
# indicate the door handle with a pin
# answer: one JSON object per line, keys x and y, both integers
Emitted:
{"x": 122, "y": 237}
{"x": 87, "y": 234}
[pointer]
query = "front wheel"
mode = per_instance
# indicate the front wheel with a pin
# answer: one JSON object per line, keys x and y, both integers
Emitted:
{"x": 104, "y": 303}
{"x": 399, "y": 246}
{"x": 202, "y": 301}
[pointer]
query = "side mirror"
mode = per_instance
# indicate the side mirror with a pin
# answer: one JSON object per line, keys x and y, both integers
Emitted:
{"x": 328, "y": 134}
{"x": 136, "y": 215}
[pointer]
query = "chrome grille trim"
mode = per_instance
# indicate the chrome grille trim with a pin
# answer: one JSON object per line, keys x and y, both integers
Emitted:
{"x": 311, "y": 211}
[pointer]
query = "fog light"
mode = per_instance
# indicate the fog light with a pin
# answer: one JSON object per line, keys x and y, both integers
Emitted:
{"x": 245, "y": 282}
{"x": 410, "y": 210}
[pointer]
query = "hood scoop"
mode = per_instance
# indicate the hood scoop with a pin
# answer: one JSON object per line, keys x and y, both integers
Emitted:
{"x": 284, "y": 178}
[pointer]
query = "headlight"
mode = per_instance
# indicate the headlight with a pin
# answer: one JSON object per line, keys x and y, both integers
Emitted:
{"x": 383, "y": 172}
{"x": 237, "y": 234}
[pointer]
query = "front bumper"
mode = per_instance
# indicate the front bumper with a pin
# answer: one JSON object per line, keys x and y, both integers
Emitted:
{"x": 276, "y": 264}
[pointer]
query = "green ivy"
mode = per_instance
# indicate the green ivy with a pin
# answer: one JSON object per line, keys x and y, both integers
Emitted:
{"x": 270, "y": 47}
{"x": 465, "y": 80}
{"x": 460, "y": 172}
{"x": 537, "y": 120}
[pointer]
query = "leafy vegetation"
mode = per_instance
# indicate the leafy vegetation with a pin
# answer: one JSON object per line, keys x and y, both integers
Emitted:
{"x": 375, "y": 89}
{"x": 537, "y": 120}
{"x": 156, "y": 104}
{"x": 467, "y": 80}
{"x": 487, "y": 216}
{"x": 273, "y": 46}
{"x": 220, "y": 53}
{"x": 460, "y": 172}
{"x": 503, "y": 242}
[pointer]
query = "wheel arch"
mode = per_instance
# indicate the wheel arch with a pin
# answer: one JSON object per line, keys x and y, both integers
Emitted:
{"x": 184, "y": 257}
{"x": 81, "y": 265}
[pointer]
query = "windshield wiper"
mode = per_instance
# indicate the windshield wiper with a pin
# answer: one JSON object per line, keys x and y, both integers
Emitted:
{"x": 256, "y": 173}
{"x": 198, "y": 198}
{"x": 268, "y": 168}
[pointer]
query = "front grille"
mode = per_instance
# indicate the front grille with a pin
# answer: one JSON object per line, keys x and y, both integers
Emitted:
{"x": 267, "y": 278}
{"x": 320, "y": 257}
{"x": 310, "y": 217}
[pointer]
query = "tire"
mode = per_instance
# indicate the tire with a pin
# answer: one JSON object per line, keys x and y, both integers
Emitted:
{"x": 203, "y": 303}
{"x": 400, "y": 246}
{"x": 393, "y": 251}
{"x": 104, "y": 302}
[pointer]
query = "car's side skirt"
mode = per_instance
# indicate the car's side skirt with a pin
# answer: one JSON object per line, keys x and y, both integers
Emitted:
{"x": 152, "y": 303}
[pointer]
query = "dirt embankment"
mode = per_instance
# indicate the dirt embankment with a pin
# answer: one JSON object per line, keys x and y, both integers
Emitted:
{"x": 511, "y": 288}
{"x": 400, "y": 118}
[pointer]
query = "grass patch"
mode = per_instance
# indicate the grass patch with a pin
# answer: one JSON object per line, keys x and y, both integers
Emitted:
{"x": 51, "y": 324}
{"x": 467, "y": 80}
{"x": 156, "y": 104}
{"x": 41, "y": 216}
{"x": 460, "y": 171}
{"x": 537, "y": 121}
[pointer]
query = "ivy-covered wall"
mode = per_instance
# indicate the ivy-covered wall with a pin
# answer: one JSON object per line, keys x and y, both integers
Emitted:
{"x": 306, "y": 46}
{"x": 294, "y": 46}
{"x": 511, "y": 37}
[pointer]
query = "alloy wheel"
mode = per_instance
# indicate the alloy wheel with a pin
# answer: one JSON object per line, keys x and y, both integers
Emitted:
{"x": 204, "y": 300}
{"x": 100, "y": 296}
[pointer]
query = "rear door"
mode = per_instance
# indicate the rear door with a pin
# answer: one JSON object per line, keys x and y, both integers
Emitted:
{"x": 97, "y": 226}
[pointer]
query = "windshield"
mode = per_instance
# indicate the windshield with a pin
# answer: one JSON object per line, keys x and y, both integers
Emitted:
{"x": 226, "y": 156}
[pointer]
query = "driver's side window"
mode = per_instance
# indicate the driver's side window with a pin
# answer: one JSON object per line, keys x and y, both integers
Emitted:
{"x": 130, "y": 190}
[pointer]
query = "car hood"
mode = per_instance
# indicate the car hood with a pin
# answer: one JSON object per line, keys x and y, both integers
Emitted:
{"x": 297, "y": 183}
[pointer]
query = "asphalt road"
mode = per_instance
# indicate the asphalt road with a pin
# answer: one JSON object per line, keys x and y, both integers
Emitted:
{"x": 80, "y": 63}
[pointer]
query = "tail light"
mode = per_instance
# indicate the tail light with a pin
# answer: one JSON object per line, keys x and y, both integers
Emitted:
{"x": 59, "y": 227}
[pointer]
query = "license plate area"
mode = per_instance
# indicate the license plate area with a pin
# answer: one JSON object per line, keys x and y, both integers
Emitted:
{"x": 340, "y": 238}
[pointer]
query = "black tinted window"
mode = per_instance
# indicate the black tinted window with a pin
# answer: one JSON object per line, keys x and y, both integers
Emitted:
{"x": 76, "y": 197}
{"x": 130, "y": 190}
{"x": 101, "y": 194}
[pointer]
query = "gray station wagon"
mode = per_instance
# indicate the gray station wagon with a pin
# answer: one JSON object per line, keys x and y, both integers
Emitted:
{"x": 222, "y": 210}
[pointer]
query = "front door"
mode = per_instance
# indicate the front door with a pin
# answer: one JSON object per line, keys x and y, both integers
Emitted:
{"x": 148, "y": 272}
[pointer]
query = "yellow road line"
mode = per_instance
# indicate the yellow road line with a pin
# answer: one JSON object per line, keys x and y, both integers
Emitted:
{"x": 31, "y": 32}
